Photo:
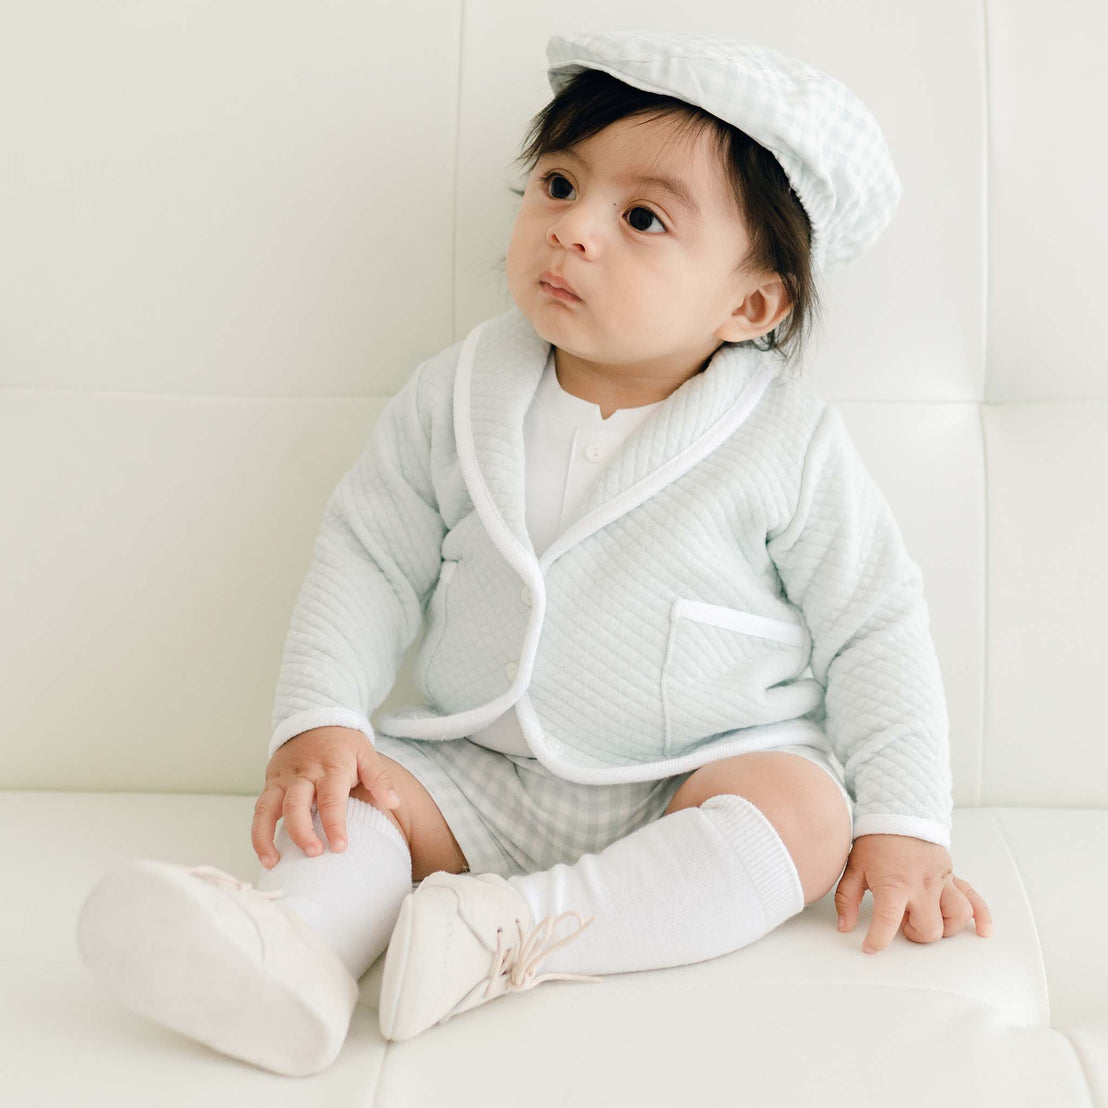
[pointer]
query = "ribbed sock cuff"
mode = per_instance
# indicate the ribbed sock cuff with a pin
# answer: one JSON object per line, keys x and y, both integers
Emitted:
{"x": 360, "y": 813}
{"x": 762, "y": 852}
{"x": 352, "y": 897}
{"x": 332, "y": 868}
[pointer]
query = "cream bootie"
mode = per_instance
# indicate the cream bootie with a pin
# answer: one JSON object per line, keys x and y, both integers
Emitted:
{"x": 462, "y": 940}
{"x": 197, "y": 950}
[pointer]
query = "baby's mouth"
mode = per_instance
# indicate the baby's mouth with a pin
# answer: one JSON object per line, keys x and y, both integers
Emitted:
{"x": 559, "y": 294}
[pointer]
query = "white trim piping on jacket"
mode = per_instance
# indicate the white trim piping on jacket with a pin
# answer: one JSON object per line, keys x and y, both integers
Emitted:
{"x": 531, "y": 570}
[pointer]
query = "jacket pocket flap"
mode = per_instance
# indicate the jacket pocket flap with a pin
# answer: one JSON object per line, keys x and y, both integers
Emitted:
{"x": 765, "y": 627}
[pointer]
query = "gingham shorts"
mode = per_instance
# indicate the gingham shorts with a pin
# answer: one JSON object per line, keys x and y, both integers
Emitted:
{"x": 512, "y": 816}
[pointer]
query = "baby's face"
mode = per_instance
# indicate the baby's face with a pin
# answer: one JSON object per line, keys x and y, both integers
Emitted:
{"x": 653, "y": 273}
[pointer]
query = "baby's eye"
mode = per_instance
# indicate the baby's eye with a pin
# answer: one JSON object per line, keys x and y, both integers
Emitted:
{"x": 554, "y": 176}
{"x": 650, "y": 214}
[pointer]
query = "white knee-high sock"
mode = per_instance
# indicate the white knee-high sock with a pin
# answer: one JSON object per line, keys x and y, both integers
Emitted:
{"x": 351, "y": 898}
{"x": 692, "y": 885}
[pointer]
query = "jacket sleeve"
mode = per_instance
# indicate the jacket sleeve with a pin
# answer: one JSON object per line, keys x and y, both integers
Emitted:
{"x": 374, "y": 564}
{"x": 842, "y": 561}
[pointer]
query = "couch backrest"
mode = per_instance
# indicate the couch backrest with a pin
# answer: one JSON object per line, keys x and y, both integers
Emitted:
{"x": 231, "y": 232}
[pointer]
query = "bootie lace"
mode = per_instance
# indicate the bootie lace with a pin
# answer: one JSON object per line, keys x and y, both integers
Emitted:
{"x": 219, "y": 877}
{"x": 521, "y": 959}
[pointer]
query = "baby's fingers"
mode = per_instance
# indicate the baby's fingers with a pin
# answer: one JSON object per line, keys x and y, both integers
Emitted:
{"x": 297, "y": 811}
{"x": 375, "y": 777}
{"x": 267, "y": 811}
{"x": 848, "y": 896}
{"x": 982, "y": 917}
{"x": 332, "y": 793}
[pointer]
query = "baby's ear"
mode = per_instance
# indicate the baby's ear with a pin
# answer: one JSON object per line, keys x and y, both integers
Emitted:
{"x": 764, "y": 304}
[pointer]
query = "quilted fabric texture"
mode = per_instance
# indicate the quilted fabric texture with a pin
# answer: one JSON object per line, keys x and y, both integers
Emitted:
{"x": 826, "y": 139}
{"x": 735, "y": 581}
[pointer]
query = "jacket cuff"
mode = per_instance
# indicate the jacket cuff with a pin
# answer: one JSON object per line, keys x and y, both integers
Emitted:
{"x": 319, "y": 717}
{"x": 932, "y": 830}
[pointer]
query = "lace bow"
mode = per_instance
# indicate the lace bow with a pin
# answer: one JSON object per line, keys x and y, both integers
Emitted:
{"x": 219, "y": 877}
{"x": 521, "y": 959}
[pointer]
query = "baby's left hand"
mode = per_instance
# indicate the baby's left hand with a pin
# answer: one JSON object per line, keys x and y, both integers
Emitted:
{"x": 911, "y": 880}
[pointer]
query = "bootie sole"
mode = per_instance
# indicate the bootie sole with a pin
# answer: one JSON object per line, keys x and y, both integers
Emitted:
{"x": 148, "y": 937}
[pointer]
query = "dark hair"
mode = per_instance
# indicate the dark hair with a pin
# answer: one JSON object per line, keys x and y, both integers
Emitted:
{"x": 778, "y": 225}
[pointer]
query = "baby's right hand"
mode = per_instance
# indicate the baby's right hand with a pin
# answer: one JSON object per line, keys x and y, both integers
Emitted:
{"x": 325, "y": 762}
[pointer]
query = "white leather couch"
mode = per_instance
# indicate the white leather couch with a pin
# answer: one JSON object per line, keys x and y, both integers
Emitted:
{"x": 231, "y": 231}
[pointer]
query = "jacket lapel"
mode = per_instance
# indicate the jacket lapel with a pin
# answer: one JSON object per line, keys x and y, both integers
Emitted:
{"x": 499, "y": 371}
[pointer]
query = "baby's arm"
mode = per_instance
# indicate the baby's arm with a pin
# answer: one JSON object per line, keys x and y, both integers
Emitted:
{"x": 375, "y": 561}
{"x": 842, "y": 561}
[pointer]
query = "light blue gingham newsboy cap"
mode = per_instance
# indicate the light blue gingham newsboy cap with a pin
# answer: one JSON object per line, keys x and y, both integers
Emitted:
{"x": 826, "y": 139}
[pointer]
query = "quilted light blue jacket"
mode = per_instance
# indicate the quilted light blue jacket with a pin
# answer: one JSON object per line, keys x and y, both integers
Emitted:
{"x": 736, "y": 581}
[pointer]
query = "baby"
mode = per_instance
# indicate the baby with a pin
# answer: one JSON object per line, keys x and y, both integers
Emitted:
{"x": 677, "y": 667}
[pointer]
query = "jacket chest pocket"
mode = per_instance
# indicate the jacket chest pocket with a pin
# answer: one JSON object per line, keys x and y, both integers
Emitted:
{"x": 436, "y": 624}
{"x": 720, "y": 663}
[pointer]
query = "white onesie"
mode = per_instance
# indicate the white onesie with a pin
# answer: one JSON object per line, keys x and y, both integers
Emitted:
{"x": 566, "y": 445}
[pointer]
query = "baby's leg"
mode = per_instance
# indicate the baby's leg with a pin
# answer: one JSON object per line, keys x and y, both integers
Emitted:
{"x": 352, "y": 898}
{"x": 702, "y": 880}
